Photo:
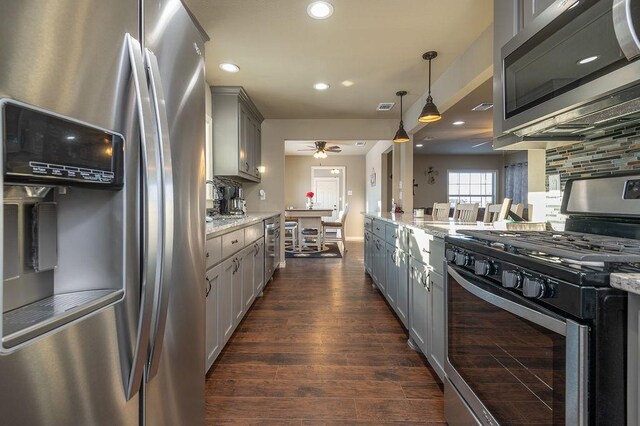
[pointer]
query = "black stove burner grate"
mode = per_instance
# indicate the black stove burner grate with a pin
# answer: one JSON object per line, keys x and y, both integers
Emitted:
{"x": 565, "y": 245}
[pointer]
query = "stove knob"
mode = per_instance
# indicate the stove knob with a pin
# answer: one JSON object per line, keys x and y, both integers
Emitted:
{"x": 450, "y": 254}
{"x": 462, "y": 259}
{"x": 511, "y": 279}
{"x": 534, "y": 288}
{"x": 484, "y": 267}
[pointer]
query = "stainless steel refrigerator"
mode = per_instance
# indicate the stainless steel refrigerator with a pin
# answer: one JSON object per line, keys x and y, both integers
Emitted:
{"x": 102, "y": 117}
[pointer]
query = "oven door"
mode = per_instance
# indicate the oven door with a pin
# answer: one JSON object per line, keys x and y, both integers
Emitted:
{"x": 510, "y": 360}
{"x": 573, "y": 53}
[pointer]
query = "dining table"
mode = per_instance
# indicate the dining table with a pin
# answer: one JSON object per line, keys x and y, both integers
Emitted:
{"x": 308, "y": 219}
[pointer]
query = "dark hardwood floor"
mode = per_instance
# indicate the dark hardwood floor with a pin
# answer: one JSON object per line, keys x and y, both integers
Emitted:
{"x": 322, "y": 347}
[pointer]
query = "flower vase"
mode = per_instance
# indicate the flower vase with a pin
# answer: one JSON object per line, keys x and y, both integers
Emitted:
{"x": 309, "y": 203}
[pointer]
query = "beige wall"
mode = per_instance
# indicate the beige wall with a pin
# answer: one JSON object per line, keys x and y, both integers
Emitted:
{"x": 298, "y": 180}
{"x": 276, "y": 132}
{"x": 427, "y": 194}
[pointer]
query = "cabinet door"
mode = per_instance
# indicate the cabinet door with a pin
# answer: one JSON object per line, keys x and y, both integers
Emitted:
{"x": 257, "y": 157}
{"x": 418, "y": 304}
{"x": 258, "y": 267}
{"x": 237, "y": 299}
{"x": 367, "y": 252}
{"x": 379, "y": 262}
{"x": 248, "y": 268}
{"x": 243, "y": 132}
{"x": 228, "y": 278}
{"x": 402, "y": 260}
{"x": 436, "y": 322}
{"x": 391, "y": 275}
{"x": 213, "y": 326}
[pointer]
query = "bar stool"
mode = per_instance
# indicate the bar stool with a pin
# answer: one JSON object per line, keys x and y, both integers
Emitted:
{"x": 291, "y": 234}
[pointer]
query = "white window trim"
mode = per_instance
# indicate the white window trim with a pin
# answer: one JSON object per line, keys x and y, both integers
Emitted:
{"x": 495, "y": 181}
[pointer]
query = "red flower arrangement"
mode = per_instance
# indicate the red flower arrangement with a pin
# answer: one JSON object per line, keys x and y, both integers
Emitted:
{"x": 310, "y": 194}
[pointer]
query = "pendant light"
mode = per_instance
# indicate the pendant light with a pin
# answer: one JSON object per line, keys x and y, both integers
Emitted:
{"x": 430, "y": 111}
{"x": 401, "y": 134}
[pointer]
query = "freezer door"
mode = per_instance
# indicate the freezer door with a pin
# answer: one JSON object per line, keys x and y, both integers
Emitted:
{"x": 70, "y": 58}
{"x": 174, "y": 394}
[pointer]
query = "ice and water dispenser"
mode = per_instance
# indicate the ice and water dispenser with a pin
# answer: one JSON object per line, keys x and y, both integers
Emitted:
{"x": 63, "y": 226}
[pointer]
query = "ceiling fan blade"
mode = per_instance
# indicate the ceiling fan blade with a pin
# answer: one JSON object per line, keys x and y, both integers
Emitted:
{"x": 308, "y": 149}
{"x": 333, "y": 150}
{"x": 333, "y": 147}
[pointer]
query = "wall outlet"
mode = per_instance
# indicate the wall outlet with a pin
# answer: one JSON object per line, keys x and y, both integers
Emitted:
{"x": 263, "y": 195}
{"x": 554, "y": 182}
{"x": 349, "y": 192}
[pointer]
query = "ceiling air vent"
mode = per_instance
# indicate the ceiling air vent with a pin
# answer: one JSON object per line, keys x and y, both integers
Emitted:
{"x": 385, "y": 106}
{"x": 361, "y": 143}
{"x": 485, "y": 106}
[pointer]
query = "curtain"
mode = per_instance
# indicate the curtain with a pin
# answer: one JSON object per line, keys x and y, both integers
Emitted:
{"x": 517, "y": 182}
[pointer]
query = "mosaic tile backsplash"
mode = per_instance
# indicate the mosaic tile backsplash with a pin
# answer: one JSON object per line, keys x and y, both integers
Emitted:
{"x": 619, "y": 151}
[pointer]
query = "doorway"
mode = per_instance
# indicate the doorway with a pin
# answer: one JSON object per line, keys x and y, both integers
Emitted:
{"x": 328, "y": 184}
{"x": 387, "y": 179}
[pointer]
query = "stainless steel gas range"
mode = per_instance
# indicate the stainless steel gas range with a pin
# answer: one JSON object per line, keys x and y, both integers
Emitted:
{"x": 535, "y": 334}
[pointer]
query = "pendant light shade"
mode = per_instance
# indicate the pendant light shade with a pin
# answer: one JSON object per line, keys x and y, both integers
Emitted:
{"x": 401, "y": 134}
{"x": 430, "y": 111}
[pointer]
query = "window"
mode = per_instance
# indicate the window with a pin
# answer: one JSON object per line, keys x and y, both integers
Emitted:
{"x": 472, "y": 187}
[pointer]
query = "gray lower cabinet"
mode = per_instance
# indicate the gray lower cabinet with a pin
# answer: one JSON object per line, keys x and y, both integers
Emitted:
{"x": 402, "y": 306}
{"x": 391, "y": 275}
{"x": 230, "y": 286}
{"x": 436, "y": 323}
{"x": 248, "y": 289}
{"x": 378, "y": 261}
{"x": 418, "y": 303}
{"x": 258, "y": 266}
{"x": 214, "y": 340}
{"x": 368, "y": 243}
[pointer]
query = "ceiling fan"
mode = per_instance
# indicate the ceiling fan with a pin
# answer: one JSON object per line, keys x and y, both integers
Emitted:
{"x": 320, "y": 149}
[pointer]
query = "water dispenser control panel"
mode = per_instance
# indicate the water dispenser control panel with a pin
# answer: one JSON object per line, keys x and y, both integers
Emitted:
{"x": 45, "y": 148}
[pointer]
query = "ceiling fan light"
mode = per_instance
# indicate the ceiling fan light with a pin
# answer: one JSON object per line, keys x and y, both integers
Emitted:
{"x": 430, "y": 112}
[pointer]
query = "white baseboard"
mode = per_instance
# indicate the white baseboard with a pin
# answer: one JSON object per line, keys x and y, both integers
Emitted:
{"x": 355, "y": 238}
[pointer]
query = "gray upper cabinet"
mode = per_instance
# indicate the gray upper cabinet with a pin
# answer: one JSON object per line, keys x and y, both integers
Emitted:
{"x": 237, "y": 134}
{"x": 532, "y": 8}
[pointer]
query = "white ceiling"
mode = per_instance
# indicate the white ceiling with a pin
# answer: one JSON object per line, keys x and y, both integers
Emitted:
{"x": 377, "y": 44}
{"x": 445, "y": 138}
{"x": 348, "y": 147}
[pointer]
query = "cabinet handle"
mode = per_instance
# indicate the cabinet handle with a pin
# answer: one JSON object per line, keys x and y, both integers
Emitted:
{"x": 246, "y": 166}
{"x": 425, "y": 250}
{"x": 257, "y": 250}
{"x": 393, "y": 257}
{"x": 208, "y": 287}
{"x": 234, "y": 242}
{"x": 206, "y": 255}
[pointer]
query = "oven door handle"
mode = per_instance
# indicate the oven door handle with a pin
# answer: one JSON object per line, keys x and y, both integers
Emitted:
{"x": 577, "y": 378}
{"x": 624, "y": 24}
{"x": 523, "y": 312}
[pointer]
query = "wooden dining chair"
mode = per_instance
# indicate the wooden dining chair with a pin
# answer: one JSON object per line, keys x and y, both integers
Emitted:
{"x": 518, "y": 209}
{"x": 338, "y": 225}
{"x": 465, "y": 212}
{"x": 440, "y": 212}
{"x": 496, "y": 212}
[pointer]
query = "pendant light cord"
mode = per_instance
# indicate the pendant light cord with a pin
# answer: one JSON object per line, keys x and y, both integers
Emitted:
{"x": 401, "y": 109}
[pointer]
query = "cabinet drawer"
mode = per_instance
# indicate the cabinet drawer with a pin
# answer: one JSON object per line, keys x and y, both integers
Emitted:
{"x": 368, "y": 224}
{"x": 436, "y": 257}
{"x": 379, "y": 228}
{"x": 420, "y": 245}
{"x": 213, "y": 251}
{"x": 253, "y": 232}
{"x": 232, "y": 242}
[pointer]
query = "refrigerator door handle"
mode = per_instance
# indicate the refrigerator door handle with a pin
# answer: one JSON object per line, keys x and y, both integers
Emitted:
{"x": 151, "y": 226}
{"x": 166, "y": 255}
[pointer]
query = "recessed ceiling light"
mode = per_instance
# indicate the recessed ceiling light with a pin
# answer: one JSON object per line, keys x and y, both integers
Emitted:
{"x": 321, "y": 86}
{"x": 588, "y": 59}
{"x": 229, "y": 67}
{"x": 419, "y": 145}
{"x": 347, "y": 83}
{"x": 320, "y": 10}
{"x": 458, "y": 123}
{"x": 70, "y": 138}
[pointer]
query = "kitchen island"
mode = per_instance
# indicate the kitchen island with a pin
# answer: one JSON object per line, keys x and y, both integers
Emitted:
{"x": 405, "y": 258}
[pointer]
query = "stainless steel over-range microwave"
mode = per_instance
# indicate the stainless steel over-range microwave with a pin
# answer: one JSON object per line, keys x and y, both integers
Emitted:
{"x": 573, "y": 72}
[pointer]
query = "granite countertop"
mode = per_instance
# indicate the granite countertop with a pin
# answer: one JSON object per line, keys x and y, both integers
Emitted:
{"x": 435, "y": 228}
{"x": 227, "y": 224}
{"x": 626, "y": 282}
